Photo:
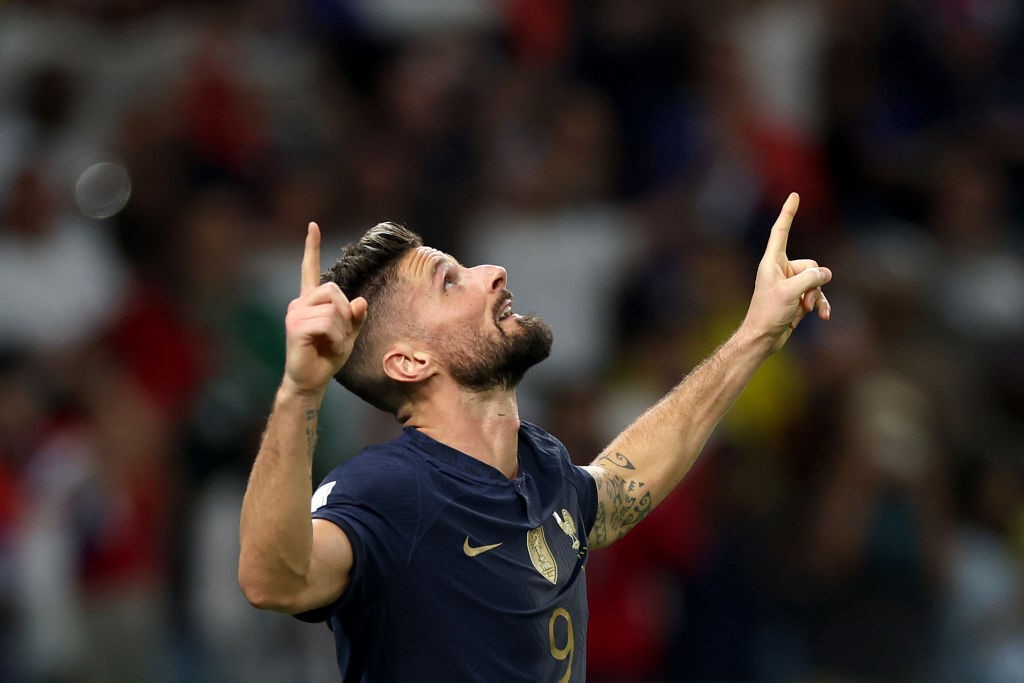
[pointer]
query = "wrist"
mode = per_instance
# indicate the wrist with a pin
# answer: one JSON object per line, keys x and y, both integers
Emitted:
{"x": 289, "y": 392}
{"x": 750, "y": 341}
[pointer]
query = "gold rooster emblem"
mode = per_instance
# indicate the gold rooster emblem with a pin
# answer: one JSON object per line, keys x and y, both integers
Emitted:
{"x": 566, "y": 524}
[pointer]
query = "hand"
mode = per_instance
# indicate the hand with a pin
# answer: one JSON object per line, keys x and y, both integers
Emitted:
{"x": 320, "y": 328}
{"x": 785, "y": 291}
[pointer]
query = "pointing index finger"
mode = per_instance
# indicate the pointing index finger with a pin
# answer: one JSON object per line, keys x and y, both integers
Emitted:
{"x": 311, "y": 260}
{"x": 780, "y": 231}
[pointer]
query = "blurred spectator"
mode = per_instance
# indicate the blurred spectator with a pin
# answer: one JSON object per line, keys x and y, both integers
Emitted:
{"x": 983, "y": 622}
{"x": 880, "y": 535}
{"x": 550, "y": 198}
{"x": 22, "y": 417}
{"x": 981, "y": 287}
{"x": 93, "y": 540}
{"x": 62, "y": 271}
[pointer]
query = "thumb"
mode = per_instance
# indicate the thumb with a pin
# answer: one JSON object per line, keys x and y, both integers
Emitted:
{"x": 359, "y": 306}
{"x": 807, "y": 280}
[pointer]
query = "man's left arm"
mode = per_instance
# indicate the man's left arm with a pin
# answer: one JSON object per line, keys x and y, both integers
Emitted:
{"x": 644, "y": 463}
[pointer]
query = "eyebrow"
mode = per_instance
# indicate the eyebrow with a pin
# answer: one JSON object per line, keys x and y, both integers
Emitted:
{"x": 445, "y": 260}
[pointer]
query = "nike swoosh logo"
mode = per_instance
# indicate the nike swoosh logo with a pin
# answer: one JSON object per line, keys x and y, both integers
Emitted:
{"x": 473, "y": 552}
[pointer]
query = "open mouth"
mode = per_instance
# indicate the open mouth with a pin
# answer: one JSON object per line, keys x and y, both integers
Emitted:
{"x": 505, "y": 310}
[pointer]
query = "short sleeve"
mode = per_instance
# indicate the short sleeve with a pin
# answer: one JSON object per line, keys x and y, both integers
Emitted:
{"x": 375, "y": 499}
{"x": 586, "y": 489}
{"x": 581, "y": 480}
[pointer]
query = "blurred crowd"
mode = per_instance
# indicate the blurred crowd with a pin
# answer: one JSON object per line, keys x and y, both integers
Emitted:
{"x": 858, "y": 516}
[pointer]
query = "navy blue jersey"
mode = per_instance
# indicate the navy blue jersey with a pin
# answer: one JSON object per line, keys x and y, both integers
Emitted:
{"x": 460, "y": 573}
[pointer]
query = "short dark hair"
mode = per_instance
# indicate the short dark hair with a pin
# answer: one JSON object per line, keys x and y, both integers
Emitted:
{"x": 368, "y": 268}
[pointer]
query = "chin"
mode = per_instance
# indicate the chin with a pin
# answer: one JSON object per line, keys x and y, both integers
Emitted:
{"x": 503, "y": 363}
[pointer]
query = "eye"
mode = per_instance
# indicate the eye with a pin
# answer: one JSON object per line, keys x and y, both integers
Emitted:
{"x": 448, "y": 281}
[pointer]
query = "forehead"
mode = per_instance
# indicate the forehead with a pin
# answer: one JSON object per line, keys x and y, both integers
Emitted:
{"x": 421, "y": 263}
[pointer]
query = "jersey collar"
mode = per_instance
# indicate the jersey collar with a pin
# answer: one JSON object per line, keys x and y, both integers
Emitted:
{"x": 455, "y": 460}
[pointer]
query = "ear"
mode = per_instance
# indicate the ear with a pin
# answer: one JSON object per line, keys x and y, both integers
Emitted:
{"x": 405, "y": 363}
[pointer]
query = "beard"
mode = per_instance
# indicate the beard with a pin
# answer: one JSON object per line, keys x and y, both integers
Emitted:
{"x": 483, "y": 363}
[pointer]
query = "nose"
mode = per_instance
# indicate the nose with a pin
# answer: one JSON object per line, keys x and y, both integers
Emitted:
{"x": 494, "y": 276}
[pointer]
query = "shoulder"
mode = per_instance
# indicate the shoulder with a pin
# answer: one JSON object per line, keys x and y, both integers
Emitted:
{"x": 553, "y": 458}
{"x": 552, "y": 452}
{"x": 543, "y": 441}
{"x": 380, "y": 472}
{"x": 393, "y": 458}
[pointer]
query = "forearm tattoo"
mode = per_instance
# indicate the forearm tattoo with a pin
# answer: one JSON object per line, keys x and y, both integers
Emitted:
{"x": 311, "y": 419}
{"x": 622, "y": 500}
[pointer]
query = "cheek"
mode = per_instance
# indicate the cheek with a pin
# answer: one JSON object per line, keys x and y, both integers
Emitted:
{"x": 452, "y": 322}
{"x": 457, "y": 315}
{"x": 466, "y": 314}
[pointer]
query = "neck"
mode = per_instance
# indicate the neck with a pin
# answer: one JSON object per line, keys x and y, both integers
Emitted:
{"x": 483, "y": 425}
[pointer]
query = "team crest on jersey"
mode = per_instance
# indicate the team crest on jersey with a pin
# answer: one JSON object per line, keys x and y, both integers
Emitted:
{"x": 540, "y": 554}
{"x": 566, "y": 524}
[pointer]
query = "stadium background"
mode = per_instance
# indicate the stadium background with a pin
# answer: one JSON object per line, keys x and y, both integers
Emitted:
{"x": 859, "y": 516}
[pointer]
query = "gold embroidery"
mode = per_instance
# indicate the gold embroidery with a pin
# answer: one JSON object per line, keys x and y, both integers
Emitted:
{"x": 541, "y": 555}
{"x": 566, "y": 652}
{"x": 568, "y": 526}
{"x": 473, "y": 552}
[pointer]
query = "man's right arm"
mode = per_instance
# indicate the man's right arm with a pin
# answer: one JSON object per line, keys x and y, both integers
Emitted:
{"x": 288, "y": 561}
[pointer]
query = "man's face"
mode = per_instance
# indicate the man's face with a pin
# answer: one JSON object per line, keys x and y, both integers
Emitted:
{"x": 465, "y": 315}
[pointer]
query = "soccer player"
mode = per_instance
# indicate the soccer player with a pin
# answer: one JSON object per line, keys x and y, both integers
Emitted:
{"x": 456, "y": 552}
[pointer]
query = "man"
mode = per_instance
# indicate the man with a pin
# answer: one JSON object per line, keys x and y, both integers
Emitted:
{"x": 456, "y": 552}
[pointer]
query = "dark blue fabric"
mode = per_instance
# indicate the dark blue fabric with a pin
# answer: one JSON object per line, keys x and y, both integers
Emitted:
{"x": 417, "y": 607}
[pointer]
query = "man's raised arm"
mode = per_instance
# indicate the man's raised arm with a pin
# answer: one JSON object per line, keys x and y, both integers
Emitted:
{"x": 289, "y": 562}
{"x": 646, "y": 461}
